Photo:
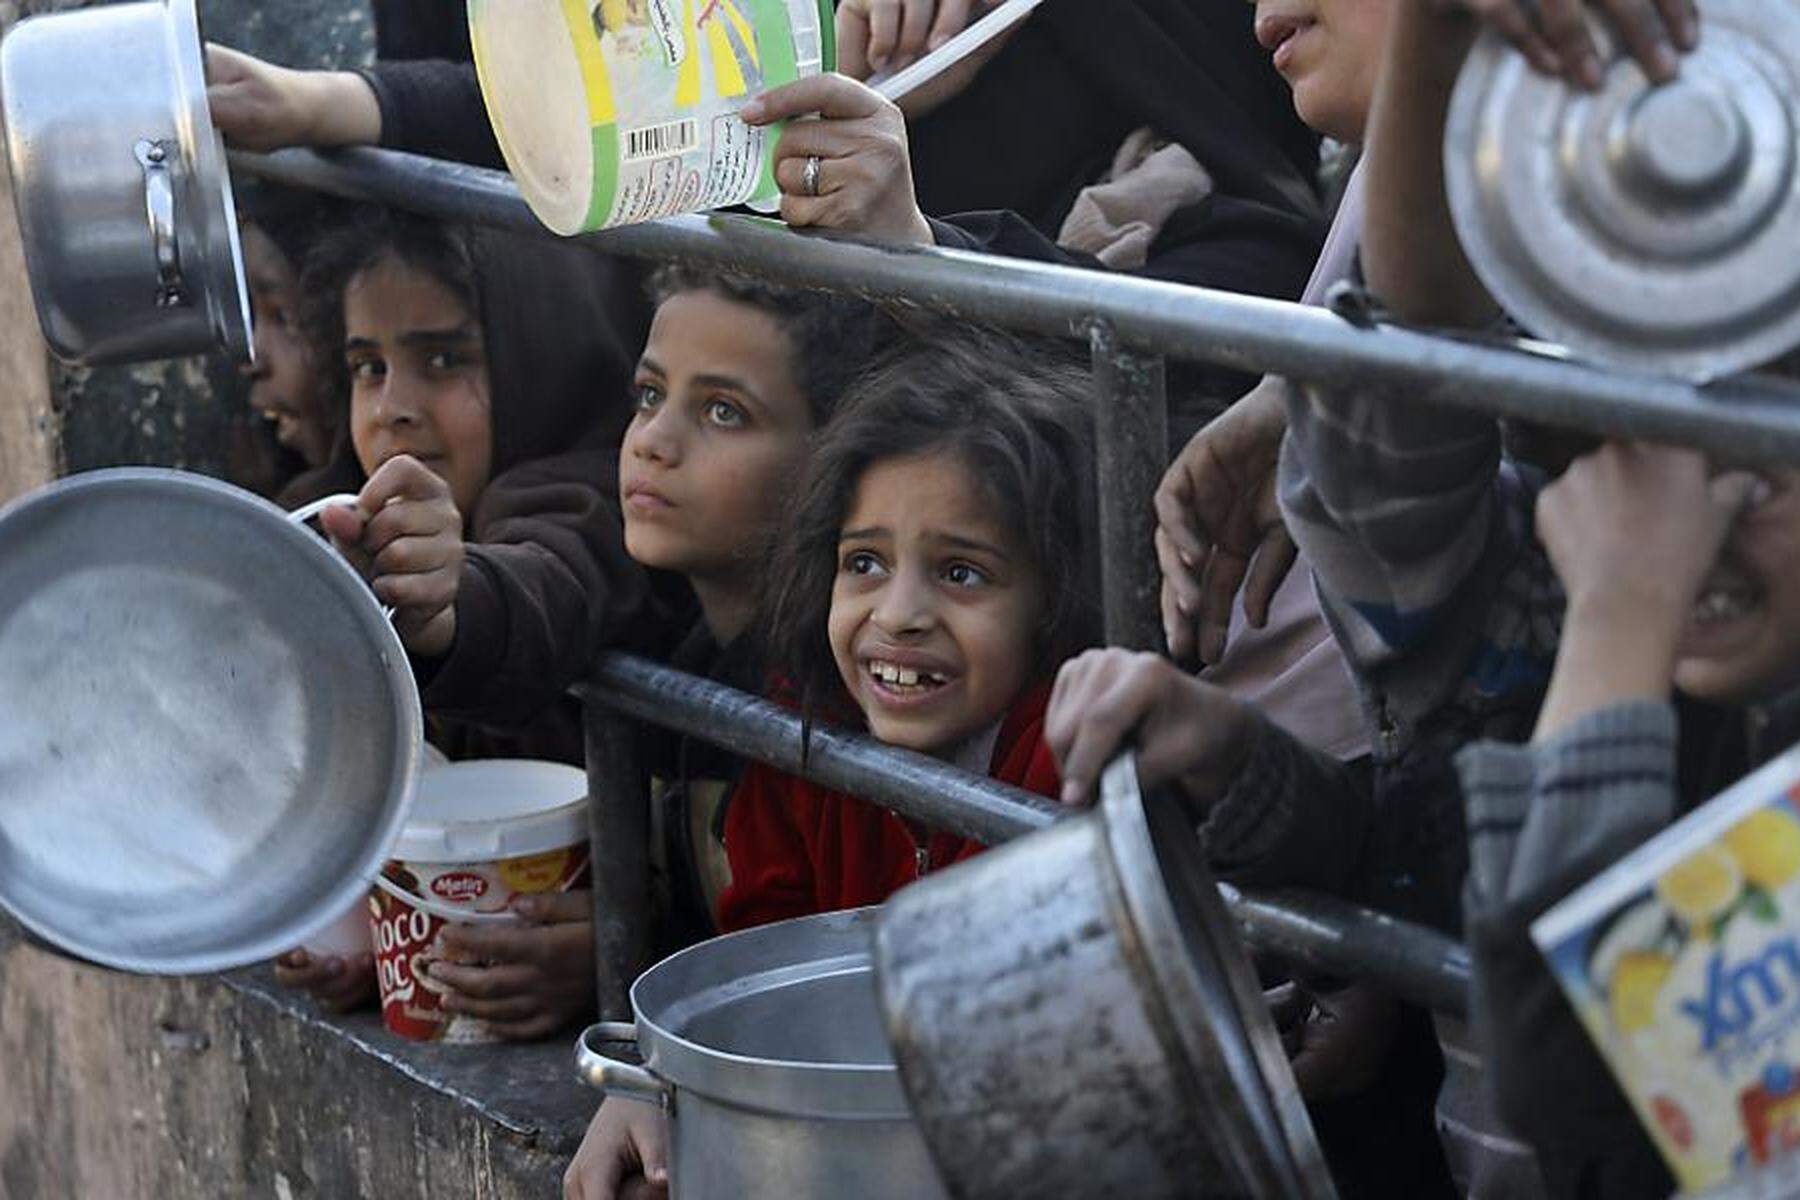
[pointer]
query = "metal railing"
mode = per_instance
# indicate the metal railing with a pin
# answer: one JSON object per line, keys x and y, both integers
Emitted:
{"x": 1128, "y": 323}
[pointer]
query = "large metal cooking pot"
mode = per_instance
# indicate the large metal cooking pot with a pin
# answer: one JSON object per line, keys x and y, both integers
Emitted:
{"x": 765, "y": 1049}
{"x": 209, "y": 732}
{"x": 123, "y": 198}
{"x": 1074, "y": 1007}
{"x": 1652, "y": 227}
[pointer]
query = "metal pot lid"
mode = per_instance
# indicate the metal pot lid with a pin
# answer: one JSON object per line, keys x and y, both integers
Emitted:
{"x": 209, "y": 734}
{"x": 1647, "y": 227}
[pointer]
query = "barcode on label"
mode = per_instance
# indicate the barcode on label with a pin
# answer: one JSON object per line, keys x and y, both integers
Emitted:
{"x": 655, "y": 141}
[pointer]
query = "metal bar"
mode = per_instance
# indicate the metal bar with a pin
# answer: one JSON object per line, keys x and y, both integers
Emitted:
{"x": 619, "y": 833}
{"x": 1752, "y": 419}
{"x": 1325, "y": 935}
{"x": 1131, "y": 448}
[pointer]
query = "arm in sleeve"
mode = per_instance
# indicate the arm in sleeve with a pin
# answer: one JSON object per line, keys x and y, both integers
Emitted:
{"x": 434, "y": 107}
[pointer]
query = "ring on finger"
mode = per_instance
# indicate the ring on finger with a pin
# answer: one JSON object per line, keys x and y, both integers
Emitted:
{"x": 809, "y": 175}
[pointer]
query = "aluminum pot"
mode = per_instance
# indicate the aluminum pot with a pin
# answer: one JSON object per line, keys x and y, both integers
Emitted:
{"x": 1075, "y": 1006}
{"x": 209, "y": 731}
{"x": 119, "y": 180}
{"x": 765, "y": 1049}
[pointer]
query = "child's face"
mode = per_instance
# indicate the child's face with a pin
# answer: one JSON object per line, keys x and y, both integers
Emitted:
{"x": 936, "y": 606}
{"x": 1330, "y": 52}
{"x": 1743, "y": 641}
{"x": 418, "y": 377}
{"x": 284, "y": 382}
{"x": 721, "y": 430}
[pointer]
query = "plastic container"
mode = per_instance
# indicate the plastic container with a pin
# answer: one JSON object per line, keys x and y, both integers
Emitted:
{"x": 481, "y": 834}
{"x": 611, "y": 112}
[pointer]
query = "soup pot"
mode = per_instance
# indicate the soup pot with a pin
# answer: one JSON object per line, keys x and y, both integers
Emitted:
{"x": 209, "y": 731}
{"x": 120, "y": 184}
{"x": 1075, "y": 1006}
{"x": 766, "y": 1051}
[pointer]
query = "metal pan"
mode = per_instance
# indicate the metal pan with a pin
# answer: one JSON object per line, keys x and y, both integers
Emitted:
{"x": 209, "y": 732}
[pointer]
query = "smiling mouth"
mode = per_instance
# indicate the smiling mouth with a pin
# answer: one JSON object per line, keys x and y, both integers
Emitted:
{"x": 904, "y": 682}
{"x": 1724, "y": 598}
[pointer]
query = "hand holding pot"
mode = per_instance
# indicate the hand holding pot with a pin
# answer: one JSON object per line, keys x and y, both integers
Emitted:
{"x": 405, "y": 536}
{"x": 527, "y": 980}
{"x": 623, "y": 1156}
{"x": 339, "y": 984}
{"x": 259, "y": 106}
{"x": 1185, "y": 731}
{"x": 1553, "y": 34}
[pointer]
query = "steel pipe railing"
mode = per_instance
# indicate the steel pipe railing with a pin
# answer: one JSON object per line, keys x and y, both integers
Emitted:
{"x": 1752, "y": 419}
{"x": 1316, "y": 932}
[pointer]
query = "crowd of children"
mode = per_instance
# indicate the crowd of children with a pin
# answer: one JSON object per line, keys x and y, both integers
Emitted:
{"x": 1415, "y": 658}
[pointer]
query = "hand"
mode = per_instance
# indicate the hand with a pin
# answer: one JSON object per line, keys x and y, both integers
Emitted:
{"x": 533, "y": 978}
{"x": 405, "y": 536}
{"x": 623, "y": 1156}
{"x": 338, "y": 984}
{"x": 259, "y": 106}
{"x": 1553, "y": 34}
{"x": 865, "y": 173}
{"x": 888, "y": 35}
{"x": 1219, "y": 527}
{"x": 1184, "y": 731}
{"x": 1336, "y": 1041}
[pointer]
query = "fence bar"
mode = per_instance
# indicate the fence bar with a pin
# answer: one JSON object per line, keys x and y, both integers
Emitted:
{"x": 619, "y": 833}
{"x": 1131, "y": 449}
{"x": 1753, "y": 420}
{"x": 1322, "y": 934}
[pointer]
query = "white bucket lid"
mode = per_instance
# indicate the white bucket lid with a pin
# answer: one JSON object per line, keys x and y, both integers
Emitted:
{"x": 483, "y": 810}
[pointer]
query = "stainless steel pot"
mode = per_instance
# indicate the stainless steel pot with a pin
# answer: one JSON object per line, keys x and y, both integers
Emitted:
{"x": 1650, "y": 227}
{"x": 1073, "y": 1008}
{"x": 209, "y": 732}
{"x": 765, "y": 1049}
{"x": 120, "y": 184}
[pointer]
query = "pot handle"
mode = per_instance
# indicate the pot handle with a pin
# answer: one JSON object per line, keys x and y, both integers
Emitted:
{"x": 159, "y": 210}
{"x": 608, "y": 1074}
{"x": 307, "y": 512}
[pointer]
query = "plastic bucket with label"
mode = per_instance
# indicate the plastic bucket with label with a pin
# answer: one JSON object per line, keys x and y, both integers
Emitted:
{"x": 611, "y": 112}
{"x": 481, "y": 834}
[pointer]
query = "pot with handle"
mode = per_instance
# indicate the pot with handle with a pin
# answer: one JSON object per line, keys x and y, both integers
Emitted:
{"x": 120, "y": 184}
{"x": 765, "y": 1050}
{"x": 209, "y": 731}
{"x": 1075, "y": 1005}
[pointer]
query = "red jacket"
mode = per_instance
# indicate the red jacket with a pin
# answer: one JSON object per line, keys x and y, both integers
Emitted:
{"x": 797, "y": 848}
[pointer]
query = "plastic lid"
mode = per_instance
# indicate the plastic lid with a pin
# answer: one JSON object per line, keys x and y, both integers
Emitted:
{"x": 484, "y": 810}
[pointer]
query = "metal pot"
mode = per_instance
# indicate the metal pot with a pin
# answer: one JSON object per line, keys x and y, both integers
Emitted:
{"x": 120, "y": 184}
{"x": 1075, "y": 1006}
{"x": 765, "y": 1049}
{"x": 1651, "y": 227}
{"x": 209, "y": 732}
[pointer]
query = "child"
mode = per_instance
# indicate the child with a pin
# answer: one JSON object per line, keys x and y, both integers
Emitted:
{"x": 935, "y": 570}
{"x": 735, "y": 381}
{"x": 481, "y": 389}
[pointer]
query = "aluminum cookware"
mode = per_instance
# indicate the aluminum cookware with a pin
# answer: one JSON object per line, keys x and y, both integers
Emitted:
{"x": 209, "y": 732}
{"x": 1075, "y": 1007}
{"x": 1649, "y": 227}
{"x": 119, "y": 179}
{"x": 765, "y": 1049}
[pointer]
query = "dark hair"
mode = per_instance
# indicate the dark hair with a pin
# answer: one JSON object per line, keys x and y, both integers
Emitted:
{"x": 832, "y": 338}
{"x": 367, "y": 237}
{"x": 1017, "y": 415}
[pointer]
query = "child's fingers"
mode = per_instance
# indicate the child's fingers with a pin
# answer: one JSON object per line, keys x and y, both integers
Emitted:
{"x": 1219, "y": 588}
{"x": 409, "y": 518}
{"x": 1178, "y": 630}
{"x": 342, "y": 524}
{"x": 1180, "y": 577}
{"x": 421, "y": 594}
{"x": 1563, "y": 24}
{"x": 1275, "y": 557}
{"x": 853, "y": 41}
{"x": 504, "y": 981}
{"x": 1098, "y": 738}
{"x": 556, "y": 908}
{"x": 402, "y": 476}
{"x": 952, "y": 19}
{"x": 512, "y": 1008}
{"x": 415, "y": 555}
{"x": 507, "y": 942}
{"x": 1683, "y": 19}
{"x": 1640, "y": 25}
{"x": 884, "y": 32}
{"x": 1176, "y": 516}
{"x": 1068, "y": 700}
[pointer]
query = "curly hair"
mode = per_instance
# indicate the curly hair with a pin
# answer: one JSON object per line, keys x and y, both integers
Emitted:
{"x": 1017, "y": 414}
{"x": 832, "y": 338}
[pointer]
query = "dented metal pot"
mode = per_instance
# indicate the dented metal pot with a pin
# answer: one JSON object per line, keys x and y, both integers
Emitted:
{"x": 1075, "y": 1006}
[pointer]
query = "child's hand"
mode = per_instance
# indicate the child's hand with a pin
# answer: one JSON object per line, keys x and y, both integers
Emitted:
{"x": 1553, "y": 34}
{"x": 1336, "y": 1041}
{"x": 623, "y": 1156}
{"x": 260, "y": 106}
{"x": 1184, "y": 731}
{"x": 1219, "y": 528}
{"x": 534, "y": 978}
{"x": 405, "y": 535}
{"x": 339, "y": 984}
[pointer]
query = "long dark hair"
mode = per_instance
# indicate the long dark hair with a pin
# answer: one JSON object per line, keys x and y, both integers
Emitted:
{"x": 1017, "y": 415}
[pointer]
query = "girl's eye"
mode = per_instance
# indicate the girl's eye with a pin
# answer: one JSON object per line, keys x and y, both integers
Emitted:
{"x": 445, "y": 360}
{"x": 366, "y": 370}
{"x": 861, "y": 562}
{"x": 963, "y": 574}
{"x": 725, "y": 413}
{"x": 648, "y": 396}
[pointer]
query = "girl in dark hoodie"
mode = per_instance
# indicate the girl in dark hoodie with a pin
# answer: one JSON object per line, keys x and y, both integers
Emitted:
{"x": 486, "y": 400}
